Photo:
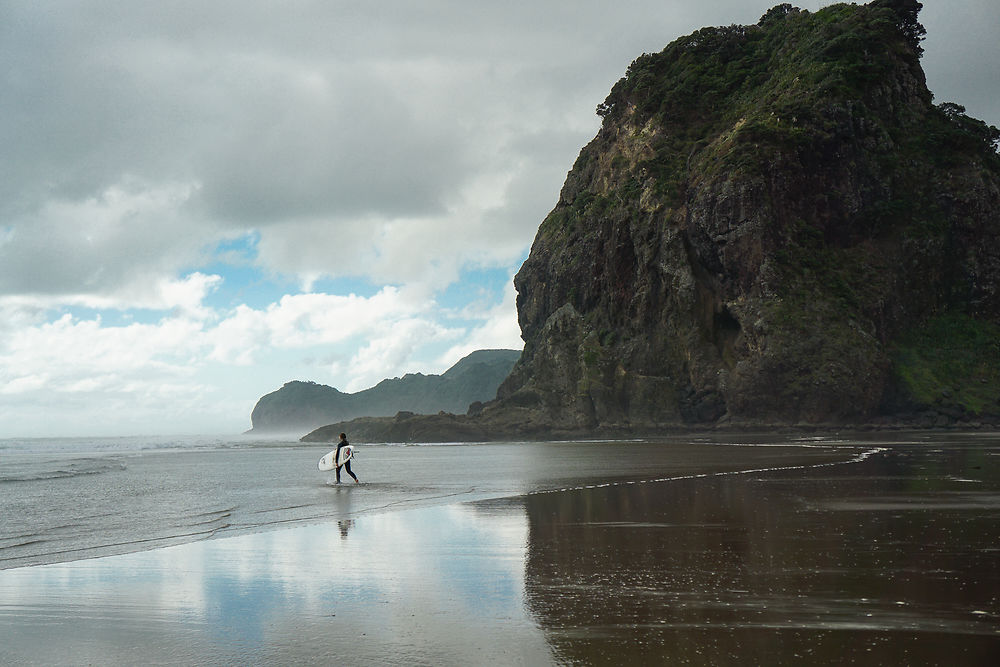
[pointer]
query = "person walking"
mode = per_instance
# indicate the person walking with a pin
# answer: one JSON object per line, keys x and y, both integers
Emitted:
{"x": 347, "y": 464}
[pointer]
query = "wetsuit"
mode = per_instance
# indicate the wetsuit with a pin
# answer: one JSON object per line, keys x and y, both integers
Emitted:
{"x": 347, "y": 464}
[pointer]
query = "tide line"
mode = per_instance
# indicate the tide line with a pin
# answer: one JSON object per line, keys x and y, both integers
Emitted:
{"x": 855, "y": 459}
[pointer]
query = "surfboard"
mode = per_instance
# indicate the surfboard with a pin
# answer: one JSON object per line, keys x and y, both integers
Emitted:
{"x": 328, "y": 463}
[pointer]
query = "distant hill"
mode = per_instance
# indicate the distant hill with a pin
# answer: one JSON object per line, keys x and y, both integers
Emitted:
{"x": 299, "y": 407}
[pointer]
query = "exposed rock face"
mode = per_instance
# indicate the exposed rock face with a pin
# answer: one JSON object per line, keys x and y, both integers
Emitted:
{"x": 775, "y": 225}
{"x": 299, "y": 407}
{"x": 764, "y": 217}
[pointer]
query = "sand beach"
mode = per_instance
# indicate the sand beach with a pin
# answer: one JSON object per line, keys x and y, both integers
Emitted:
{"x": 714, "y": 551}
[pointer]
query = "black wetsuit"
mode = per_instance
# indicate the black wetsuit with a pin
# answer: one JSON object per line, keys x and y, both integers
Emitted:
{"x": 347, "y": 464}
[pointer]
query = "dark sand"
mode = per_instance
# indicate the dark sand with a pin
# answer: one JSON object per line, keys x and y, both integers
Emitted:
{"x": 889, "y": 560}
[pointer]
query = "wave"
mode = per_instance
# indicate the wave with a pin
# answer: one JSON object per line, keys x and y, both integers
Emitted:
{"x": 46, "y": 470}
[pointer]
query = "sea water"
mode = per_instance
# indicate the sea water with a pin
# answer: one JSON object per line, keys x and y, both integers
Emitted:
{"x": 67, "y": 499}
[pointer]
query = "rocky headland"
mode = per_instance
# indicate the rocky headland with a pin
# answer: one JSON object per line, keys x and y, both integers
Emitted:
{"x": 299, "y": 407}
{"x": 775, "y": 225}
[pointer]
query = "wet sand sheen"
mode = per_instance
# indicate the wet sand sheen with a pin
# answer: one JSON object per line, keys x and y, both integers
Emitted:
{"x": 890, "y": 560}
{"x": 64, "y": 505}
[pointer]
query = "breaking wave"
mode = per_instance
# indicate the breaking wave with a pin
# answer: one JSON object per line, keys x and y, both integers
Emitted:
{"x": 57, "y": 469}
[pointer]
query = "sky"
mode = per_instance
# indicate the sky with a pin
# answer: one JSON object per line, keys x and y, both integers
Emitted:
{"x": 202, "y": 200}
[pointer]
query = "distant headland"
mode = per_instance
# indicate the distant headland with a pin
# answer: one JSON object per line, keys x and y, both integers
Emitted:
{"x": 299, "y": 407}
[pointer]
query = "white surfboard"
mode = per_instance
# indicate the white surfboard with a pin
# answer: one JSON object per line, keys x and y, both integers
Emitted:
{"x": 328, "y": 462}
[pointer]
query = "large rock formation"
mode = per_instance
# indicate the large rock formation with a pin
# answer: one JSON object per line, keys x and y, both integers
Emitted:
{"x": 774, "y": 225}
{"x": 299, "y": 407}
{"x": 769, "y": 219}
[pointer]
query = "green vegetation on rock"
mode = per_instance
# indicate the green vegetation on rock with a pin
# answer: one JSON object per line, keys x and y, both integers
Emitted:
{"x": 775, "y": 225}
{"x": 299, "y": 407}
{"x": 952, "y": 363}
{"x": 767, "y": 211}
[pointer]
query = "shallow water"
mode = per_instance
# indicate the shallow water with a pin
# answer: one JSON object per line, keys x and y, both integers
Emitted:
{"x": 72, "y": 499}
{"x": 846, "y": 552}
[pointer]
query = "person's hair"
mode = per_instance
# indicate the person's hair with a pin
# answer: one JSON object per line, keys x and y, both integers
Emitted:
{"x": 343, "y": 435}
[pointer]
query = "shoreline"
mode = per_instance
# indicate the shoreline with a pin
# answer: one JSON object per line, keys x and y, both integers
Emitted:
{"x": 446, "y": 427}
{"x": 882, "y": 559}
{"x": 231, "y": 512}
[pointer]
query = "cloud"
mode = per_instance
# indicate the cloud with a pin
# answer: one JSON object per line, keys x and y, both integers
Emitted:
{"x": 304, "y": 320}
{"x": 390, "y": 349}
{"x": 959, "y": 47}
{"x": 186, "y": 364}
{"x": 75, "y": 375}
{"x": 323, "y": 122}
{"x": 124, "y": 242}
{"x": 157, "y": 154}
{"x": 184, "y": 295}
{"x": 386, "y": 140}
{"x": 97, "y": 351}
{"x": 498, "y": 330}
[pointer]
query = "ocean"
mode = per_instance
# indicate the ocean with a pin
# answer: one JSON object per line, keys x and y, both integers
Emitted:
{"x": 72, "y": 498}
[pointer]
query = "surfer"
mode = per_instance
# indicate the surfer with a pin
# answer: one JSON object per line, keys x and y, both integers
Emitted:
{"x": 347, "y": 464}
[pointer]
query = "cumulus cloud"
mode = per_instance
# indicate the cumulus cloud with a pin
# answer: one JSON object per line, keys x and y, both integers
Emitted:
{"x": 390, "y": 349}
{"x": 397, "y": 137}
{"x": 132, "y": 371}
{"x": 319, "y": 120}
{"x": 304, "y": 320}
{"x": 401, "y": 144}
{"x": 498, "y": 330}
{"x": 96, "y": 351}
{"x": 76, "y": 374}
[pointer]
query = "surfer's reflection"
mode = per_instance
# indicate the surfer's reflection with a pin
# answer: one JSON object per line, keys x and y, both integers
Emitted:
{"x": 345, "y": 526}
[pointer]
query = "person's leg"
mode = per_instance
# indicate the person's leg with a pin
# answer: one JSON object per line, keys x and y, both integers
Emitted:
{"x": 347, "y": 467}
{"x": 338, "y": 474}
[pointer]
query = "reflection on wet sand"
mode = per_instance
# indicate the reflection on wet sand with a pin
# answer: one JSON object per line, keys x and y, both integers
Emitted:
{"x": 432, "y": 586}
{"x": 892, "y": 561}
{"x": 887, "y": 560}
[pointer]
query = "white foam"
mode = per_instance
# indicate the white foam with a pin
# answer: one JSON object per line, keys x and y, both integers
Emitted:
{"x": 856, "y": 459}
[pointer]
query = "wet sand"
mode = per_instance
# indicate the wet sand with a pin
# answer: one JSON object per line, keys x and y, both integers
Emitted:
{"x": 63, "y": 502}
{"x": 889, "y": 560}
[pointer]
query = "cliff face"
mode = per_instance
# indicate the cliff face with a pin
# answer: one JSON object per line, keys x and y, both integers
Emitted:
{"x": 303, "y": 406}
{"x": 775, "y": 224}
